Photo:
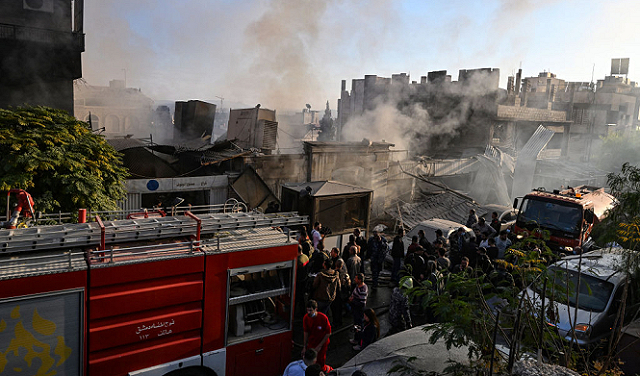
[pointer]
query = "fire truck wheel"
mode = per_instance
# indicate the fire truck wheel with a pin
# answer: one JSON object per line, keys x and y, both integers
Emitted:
{"x": 192, "y": 371}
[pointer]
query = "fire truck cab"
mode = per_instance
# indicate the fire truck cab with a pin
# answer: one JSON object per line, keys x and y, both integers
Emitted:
{"x": 568, "y": 215}
{"x": 207, "y": 294}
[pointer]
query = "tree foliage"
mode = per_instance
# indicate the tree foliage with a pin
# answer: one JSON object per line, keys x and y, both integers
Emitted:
{"x": 58, "y": 160}
{"x": 625, "y": 187}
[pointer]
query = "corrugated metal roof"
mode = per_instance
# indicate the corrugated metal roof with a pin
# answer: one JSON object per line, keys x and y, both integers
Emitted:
{"x": 445, "y": 205}
{"x": 327, "y": 188}
{"x": 536, "y": 143}
{"x": 526, "y": 161}
{"x": 125, "y": 143}
{"x": 210, "y": 154}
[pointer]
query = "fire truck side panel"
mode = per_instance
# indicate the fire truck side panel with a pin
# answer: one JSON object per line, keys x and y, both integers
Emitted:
{"x": 216, "y": 286}
{"x": 144, "y": 314}
{"x": 42, "y": 324}
{"x": 264, "y": 356}
{"x": 42, "y": 283}
{"x": 121, "y": 361}
{"x": 215, "y": 295}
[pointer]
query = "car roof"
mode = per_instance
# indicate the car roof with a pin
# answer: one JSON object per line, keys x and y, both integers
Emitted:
{"x": 439, "y": 223}
{"x": 602, "y": 263}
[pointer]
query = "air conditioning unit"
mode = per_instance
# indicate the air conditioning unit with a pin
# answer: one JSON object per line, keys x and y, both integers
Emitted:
{"x": 38, "y": 5}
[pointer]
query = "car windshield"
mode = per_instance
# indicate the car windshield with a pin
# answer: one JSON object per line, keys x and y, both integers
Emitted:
{"x": 594, "y": 292}
{"x": 552, "y": 215}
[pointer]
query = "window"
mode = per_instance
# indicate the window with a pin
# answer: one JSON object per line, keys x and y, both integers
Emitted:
{"x": 551, "y": 215}
{"x": 594, "y": 293}
{"x": 259, "y": 301}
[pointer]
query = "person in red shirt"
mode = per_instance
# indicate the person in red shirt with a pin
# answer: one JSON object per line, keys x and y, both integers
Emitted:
{"x": 316, "y": 331}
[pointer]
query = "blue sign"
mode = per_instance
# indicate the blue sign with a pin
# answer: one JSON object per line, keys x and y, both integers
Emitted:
{"x": 152, "y": 185}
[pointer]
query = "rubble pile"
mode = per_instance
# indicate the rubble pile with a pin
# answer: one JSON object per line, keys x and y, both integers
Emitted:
{"x": 530, "y": 368}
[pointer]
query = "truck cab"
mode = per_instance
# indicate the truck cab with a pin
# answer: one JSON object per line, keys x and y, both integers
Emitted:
{"x": 568, "y": 215}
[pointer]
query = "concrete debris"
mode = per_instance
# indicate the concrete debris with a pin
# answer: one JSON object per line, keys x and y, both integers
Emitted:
{"x": 530, "y": 368}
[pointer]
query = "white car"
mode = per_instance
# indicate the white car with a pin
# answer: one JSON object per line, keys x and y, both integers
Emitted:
{"x": 431, "y": 225}
{"x": 598, "y": 298}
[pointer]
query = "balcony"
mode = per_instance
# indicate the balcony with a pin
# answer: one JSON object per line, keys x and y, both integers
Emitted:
{"x": 48, "y": 37}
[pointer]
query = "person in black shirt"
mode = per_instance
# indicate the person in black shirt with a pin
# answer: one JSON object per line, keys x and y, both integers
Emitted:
{"x": 424, "y": 243}
{"x": 397, "y": 252}
{"x": 495, "y": 222}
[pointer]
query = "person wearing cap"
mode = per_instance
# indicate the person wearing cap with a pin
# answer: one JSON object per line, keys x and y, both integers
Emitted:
{"x": 399, "y": 314}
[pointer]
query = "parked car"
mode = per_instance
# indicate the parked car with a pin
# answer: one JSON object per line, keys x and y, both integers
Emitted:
{"x": 598, "y": 296}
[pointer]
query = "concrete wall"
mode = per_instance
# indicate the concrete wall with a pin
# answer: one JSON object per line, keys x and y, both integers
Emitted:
{"x": 40, "y": 53}
{"x": 276, "y": 170}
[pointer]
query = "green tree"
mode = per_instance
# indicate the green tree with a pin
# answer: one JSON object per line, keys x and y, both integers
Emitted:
{"x": 58, "y": 160}
{"x": 625, "y": 187}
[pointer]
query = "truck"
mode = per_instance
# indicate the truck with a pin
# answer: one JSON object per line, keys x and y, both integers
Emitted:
{"x": 186, "y": 295}
{"x": 568, "y": 215}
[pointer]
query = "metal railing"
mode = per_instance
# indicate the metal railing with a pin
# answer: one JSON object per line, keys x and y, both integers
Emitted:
{"x": 231, "y": 206}
{"x": 248, "y": 240}
{"x": 146, "y": 229}
{"x": 110, "y": 256}
{"x": 42, "y": 263}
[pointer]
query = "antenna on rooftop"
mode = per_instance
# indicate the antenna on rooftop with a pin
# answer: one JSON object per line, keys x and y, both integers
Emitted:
{"x": 221, "y": 102}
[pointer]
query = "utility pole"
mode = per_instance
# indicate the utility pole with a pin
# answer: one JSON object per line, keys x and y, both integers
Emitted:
{"x": 221, "y": 102}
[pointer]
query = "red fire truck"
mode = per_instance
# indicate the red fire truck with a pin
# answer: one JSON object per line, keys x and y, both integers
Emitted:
{"x": 568, "y": 215}
{"x": 206, "y": 294}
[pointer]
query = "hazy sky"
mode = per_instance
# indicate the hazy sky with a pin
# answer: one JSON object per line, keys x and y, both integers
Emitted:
{"x": 286, "y": 53}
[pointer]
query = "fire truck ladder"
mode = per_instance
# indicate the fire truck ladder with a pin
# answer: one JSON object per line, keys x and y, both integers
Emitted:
{"x": 99, "y": 233}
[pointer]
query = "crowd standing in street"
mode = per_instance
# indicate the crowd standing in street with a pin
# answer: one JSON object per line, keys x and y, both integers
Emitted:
{"x": 333, "y": 282}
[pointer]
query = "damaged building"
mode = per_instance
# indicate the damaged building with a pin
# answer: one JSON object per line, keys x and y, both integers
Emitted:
{"x": 118, "y": 111}
{"x": 41, "y": 43}
{"x": 458, "y": 109}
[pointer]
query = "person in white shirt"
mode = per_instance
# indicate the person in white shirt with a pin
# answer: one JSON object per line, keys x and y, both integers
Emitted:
{"x": 298, "y": 367}
{"x": 502, "y": 242}
{"x": 316, "y": 236}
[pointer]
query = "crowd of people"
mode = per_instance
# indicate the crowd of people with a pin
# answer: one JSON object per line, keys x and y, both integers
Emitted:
{"x": 332, "y": 282}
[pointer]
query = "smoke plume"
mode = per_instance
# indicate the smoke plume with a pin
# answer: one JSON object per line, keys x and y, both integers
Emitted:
{"x": 423, "y": 118}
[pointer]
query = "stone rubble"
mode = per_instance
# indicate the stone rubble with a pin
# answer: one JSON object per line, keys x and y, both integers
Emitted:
{"x": 530, "y": 368}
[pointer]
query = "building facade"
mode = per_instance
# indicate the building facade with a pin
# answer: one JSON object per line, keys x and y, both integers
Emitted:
{"x": 41, "y": 42}
{"x": 121, "y": 111}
